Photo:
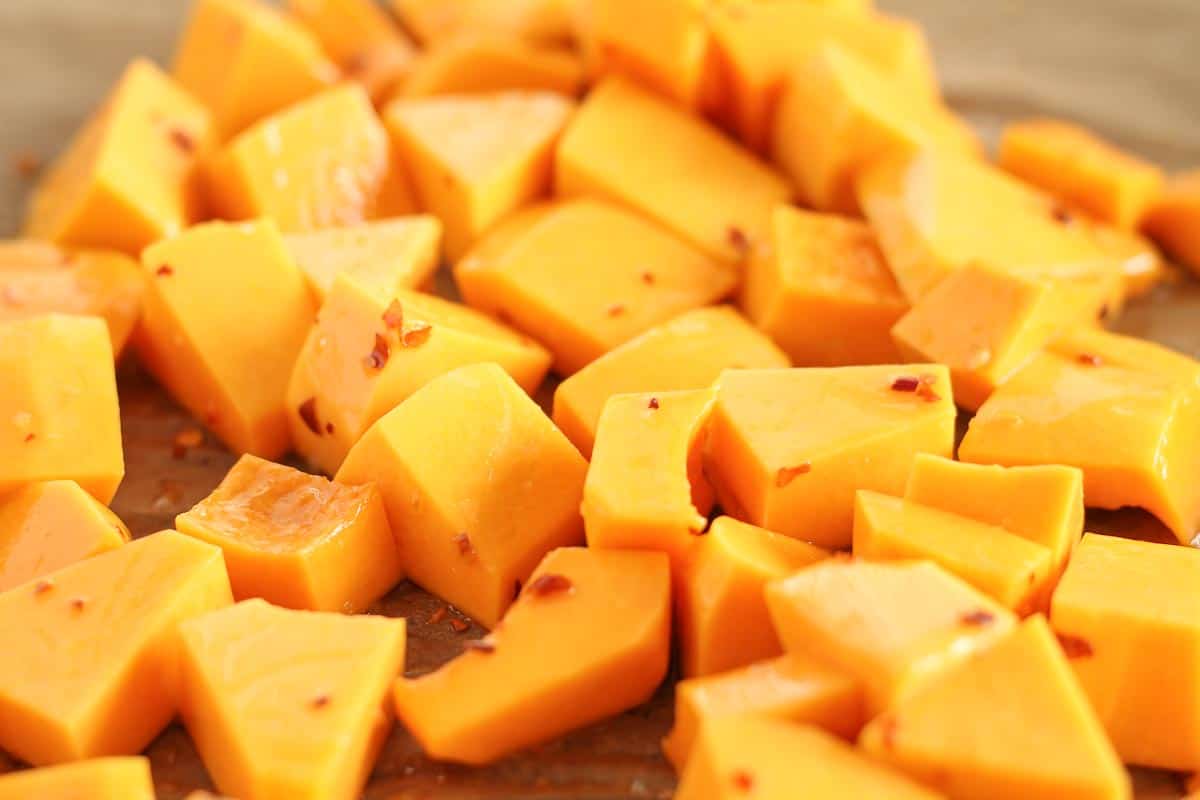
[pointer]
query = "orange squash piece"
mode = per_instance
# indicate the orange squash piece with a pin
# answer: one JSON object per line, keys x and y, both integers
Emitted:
{"x": 476, "y": 159}
{"x": 986, "y": 324}
{"x": 645, "y": 487}
{"x": 361, "y": 38}
{"x": 370, "y": 351}
{"x": 246, "y": 60}
{"x": 126, "y": 179}
{"x": 1143, "y": 265}
{"x": 1081, "y": 169}
{"x": 59, "y": 417}
{"x": 687, "y": 352}
{"x": 40, "y": 278}
{"x": 478, "y": 484}
{"x": 384, "y": 256}
{"x": 1127, "y": 614}
{"x": 297, "y": 540}
{"x": 584, "y": 301}
{"x": 202, "y": 288}
{"x": 822, "y": 290}
{"x": 288, "y": 703}
{"x": 787, "y": 449}
{"x": 631, "y": 147}
{"x": 722, "y": 618}
{"x": 793, "y": 687}
{"x": 117, "y": 615}
{"x": 960, "y": 735}
{"x": 588, "y": 638}
{"x": 47, "y": 526}
{"x": 321, "y": 163}
{"x": 116, "y": 778}
{"x": 544, "y": 21}
{"x": 1174, "y": 220}
{"x": 477, "y": 63}
{"x": 894, "y": 626}
{"x": 751, "y": 756}
{"x": 1124, "y": 410}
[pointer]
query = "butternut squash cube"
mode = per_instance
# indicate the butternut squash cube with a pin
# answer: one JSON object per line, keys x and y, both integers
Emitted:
{"x": 47, "y": 526}
{"x": 40, "y": 278}
{"x": 788, "y": 448}
{"x": 478, "y": 63}
{"x": 126, "y": 179}
{"x": 370, "y": 351}
{"x": 384, "y": 256}
{"x": 588, "y": 638}
{"x": 289, "y": 703}
{"x": 822, "y": 290}
{"x": 687, "y": 352}
{"x": 59, "y": 417}
{"x": 894, "y": 626}
{"x": 985, "y": 324}
{"x": 116, "y": 778}
{"x": 547, "y": 21}
{"x": 645, "y": 487}
{"x": 1174, "y": 220}
{"x": 1143, "y": 265}
{"x": 361, "y": 38}
{"x": 793, "y": 687}
{"x": 1128, "y": 615}
{"x": 478, "y": 484}
{"x": 245, "y": 60}
{"x": 722, "y": 617}
{"x": 960, "y": 735}
{"x": 321, "y": 163}
{"x": 1124, "y": 410}
{"x": 584, "y": 301}
{"x": 759, "y": 44}
{"x": 297, "y": 540}
{"x": 935, "y": 213}
{"x": 631, "y": 147}
{"x": 772, "y": 758}
{"x": 1082, "y": 170}
{"x": 203, "y": 288}
{"x": 1013, "y": 571}
{"x": 117, "y": 615}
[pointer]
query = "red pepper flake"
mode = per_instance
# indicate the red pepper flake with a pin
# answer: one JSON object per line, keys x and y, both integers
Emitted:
{"x": 480, "y": 646}
{"x": 357, "y": 63}
{"x": 742, "y": 781}
{"x": 320, "y": 701}
{"x": 378, "y": 357}
{"x": 977, "y": 618}
{"x": 77, "y": 603}
{"x": 308, "y": 415}
{"x": 550, "y": 584}
{"x": 29, "y": 437}
{"x": 615, "y": 310}
{"x": 393, "y": 317}
{"x": 738, "y": 240}
{"x": 417, "y": 334}
{"x": 1089, "y": 359}
{"x": 906, "y": 384}
{"x": 1061, "y": 214}
{"x": 458, "y": 625}
{"x": 648, "y": 278}
{"x": 43, "y": 586}
{"x": 185, "y": 440}
{"x": 1075, "y": 646}
{"x": 465, "y": 548}
{"x": 183, "y": 140}
{"x": 26, "y": 164}
{"x": 438, "y": 615}
{"x": 788, "y": 474}
{"x": 653, "y": 404}
{"x": 164, "y": 271}
{"x": 925, "y": 389}
{"x": 329, "y": 428}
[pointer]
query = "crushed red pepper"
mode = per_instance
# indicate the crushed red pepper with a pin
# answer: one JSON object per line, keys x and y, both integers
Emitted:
{"x": 378, "y": 357}
{"x": 43, "y": 586}
{"x": 77, "y": 603}
{"x": 906, "y": 383}
{"x": 1075, "y": 646}
{"x": 648, "y": 278}
{"x": 164, "y": 270}
{"x": 742, "y": 780}
{"x": 465, "y": 548}
{"x": 417, "y": 334}
{"x": 458, "y": 625}
{"x": 738, "y": 239}
{"x": 653, "y": 404}
{"x": 320, "y": 701}
{"x": 329, "y": 428}
{"x": 1089, "y": 359}
{"x": 29, "y": 437}
{"x": 788, "y": 474}
{"x": 438, "y": 615}
{"x": 550, "y": 584}
{"x": 616, "y": 310}
{"x": 1061, "y": 214}
{"x": 978, "y": 618}
{"x": 183, "y": 140}
{"x": 393, "y": 317}
{"x": 308, "y": 415}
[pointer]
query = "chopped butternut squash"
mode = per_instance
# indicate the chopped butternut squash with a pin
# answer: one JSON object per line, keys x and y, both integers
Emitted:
{"x": 1009, "y": 721}
{"x": 1082, "y": 170}
{"x": 588, "y": 638}
{"x": 1127, "y": 615}
{"x": 756, "y": 757}
{"x": 476, "y": 63}
{"x": 631, "y": 147}
{"x": 1125, "y": 411}
{"x": 93, "y": 648}
{"x": 547, "y": 21}
{"x": 722, "y": 618}
{"x": 288, "y": 703}
{"x": 361, "y": 38}
{"x": 788, "y": 448}
{"x": 584, "y": 301}
{"x": 821, "y": 289}
{"x": 370, "y": 351}
{"x": 894, "y": 626}
{"x": 126, "y": 179}
{"x": 115, "y": 778}
{"x": 476, "y": 159}
{"x": 478, "y": 484}
{"x": 245, "y": 60}
{"x": 1174, "y": 220}
{"x": 226, "y": 313}
{"x": 1143, "y": 265}
{"x": 384, "y": 256}
{"x": 687, "y": 352}
{"x": 297, "y": 540}
{"x": 51, "y": 525}
{"x": 58, "y": 409}
{"x": 793, "y": 687}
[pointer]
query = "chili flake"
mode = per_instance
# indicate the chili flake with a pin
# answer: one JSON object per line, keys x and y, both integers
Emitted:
{"x": 164, "y": 270}
{"x": 788, "y": 474}
{"x": 653, "y": 404}
{"x": 183, "y": 140}
{"x": 1061, "y": 214}
{"x": 978, "y": 618}
{"x": 550, "y": 584}
{"x": 458, "y": 625}
{"x": 738, "y": 239}
{"x": 648, "y": 278}
{"x": 393, "y": 317}
{"x": 465, "y": 547}
{"x": 378, "y": 357}
{"x": 320, "y": 701}
{"x": 417, "y": 334}
{"x": 77, "y": 603}
{"x": 329, "y": 428}
{"x": 43, "y": 586}
{"x": 616, "y": 310}
{"x": 438, "y": 615}
{"x": 1089, "y": 359}
{"x": 1075, "y": 646}
{"x": 906, "y": 384}
{"x": 742, "y": 781}
{"x": 308, "y": 415}
{"x": 29, "y": 437}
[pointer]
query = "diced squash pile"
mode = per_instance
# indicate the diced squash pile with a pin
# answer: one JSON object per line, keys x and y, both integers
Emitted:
{"x": 829, "y": 395}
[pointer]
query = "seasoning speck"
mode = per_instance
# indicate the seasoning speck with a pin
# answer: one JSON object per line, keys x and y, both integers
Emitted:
{"x": 378, "y": 357}
{"x": 615, "y": 310}
{"x": 183, "y": 140}
{"x": 550, "y": 584}
{"x": 742, "y": 781}
{"x": 438, "y": 615}
{"x": 1075, "y": 646}
{"x": 164, "y": 270}
{"x": 43, "y": 586}
{"x": 906, "y": 384}
{"x": 458, "y": 625}
{"x": 77, "y": 603}
{"x": 978, "y": 618}
{"x": 738, "y": 240}
{"x": 393, "y": 317}
{"x": 463, "y": 541}
{"x": 653, "y": 404}
{"x": 417, "y": 334}
{"x": 320, "y": 701}
{"x": 1089, "y": 359}
{"x": 648, "y": 278}
{"x": 29, "y": 437}
{"x": 788, "y": 474}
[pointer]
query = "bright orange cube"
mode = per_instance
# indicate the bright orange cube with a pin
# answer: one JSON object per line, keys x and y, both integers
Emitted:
{"x": 113, "y": 778}
{"x": 1174, "y": 220}
{"x": 477, "y": 63}
{"x": 361, "y": 38}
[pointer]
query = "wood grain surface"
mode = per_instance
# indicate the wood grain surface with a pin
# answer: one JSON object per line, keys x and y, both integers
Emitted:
{"x": 1122, "y": 66}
